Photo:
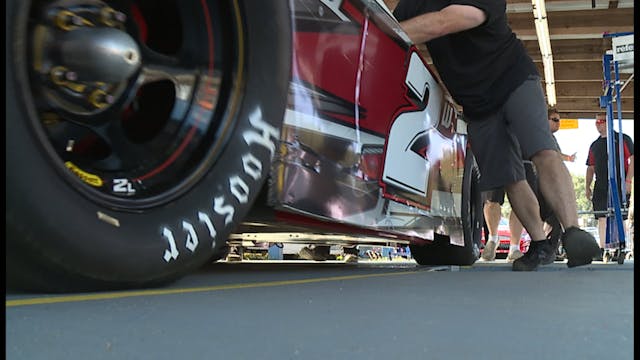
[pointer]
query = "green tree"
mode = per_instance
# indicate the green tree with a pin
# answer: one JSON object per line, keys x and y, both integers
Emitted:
{"x": 506, "y": 208}
{"x": 583, "y": 203}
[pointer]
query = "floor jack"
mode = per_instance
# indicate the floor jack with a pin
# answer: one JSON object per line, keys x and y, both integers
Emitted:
{"x": 615, "y": 247}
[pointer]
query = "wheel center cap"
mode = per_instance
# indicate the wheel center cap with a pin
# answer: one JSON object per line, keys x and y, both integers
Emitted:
{"x": 100, "y": 54}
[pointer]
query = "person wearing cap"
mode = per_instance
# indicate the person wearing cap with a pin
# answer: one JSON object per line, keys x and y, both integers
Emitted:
{"x": 598, "y": 165}
{"x": 487, "y": 71}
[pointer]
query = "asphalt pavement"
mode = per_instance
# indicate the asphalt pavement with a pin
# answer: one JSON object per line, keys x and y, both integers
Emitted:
{"x": 332, "y": 310}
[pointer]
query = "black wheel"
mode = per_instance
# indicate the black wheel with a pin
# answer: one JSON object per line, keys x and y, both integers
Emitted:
{"x": 440, "y": 251}
{"x": 138, "y": 134}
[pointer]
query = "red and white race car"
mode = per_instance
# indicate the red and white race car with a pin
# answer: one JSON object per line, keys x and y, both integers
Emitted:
{"x": 143, "y": 136}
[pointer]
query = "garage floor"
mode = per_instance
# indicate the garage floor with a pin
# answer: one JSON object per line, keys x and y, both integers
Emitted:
{"x": 332, "y": 310}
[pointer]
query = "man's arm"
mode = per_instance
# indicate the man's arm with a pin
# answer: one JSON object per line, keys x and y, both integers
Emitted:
{"x": 588, "y": 179}
{"x": 629, "y": 175}
{"x": 452, "y": 19}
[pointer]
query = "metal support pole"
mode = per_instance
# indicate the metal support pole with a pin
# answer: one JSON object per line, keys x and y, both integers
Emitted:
{"x": 614, "y": 197}
{"x": 623, "y": 187}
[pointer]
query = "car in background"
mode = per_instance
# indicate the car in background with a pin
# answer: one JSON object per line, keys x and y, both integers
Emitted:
{"x": 504, "y": 235}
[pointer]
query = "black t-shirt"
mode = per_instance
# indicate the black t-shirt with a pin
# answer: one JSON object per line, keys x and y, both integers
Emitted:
{"x": 479, "y": 66}
{"x": 599, "y": 160}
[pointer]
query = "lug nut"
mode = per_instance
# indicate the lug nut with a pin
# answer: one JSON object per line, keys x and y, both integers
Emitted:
{"x": 120, "y": 16}
{"x": 58, "y": 75}
{"x": 111, "y": 17}
{"x": 100, "y": 99}
{"x": 71, "y": 76}
{"x": 66, "y": 20}
{"x": 76, "y": 20}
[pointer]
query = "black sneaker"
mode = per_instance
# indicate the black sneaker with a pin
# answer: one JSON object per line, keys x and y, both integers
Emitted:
{"x": 539, "y": 253}
{"x": 581, "y": 247}
{"x": 548, "y": 257}
{"x": 554, "y": 239}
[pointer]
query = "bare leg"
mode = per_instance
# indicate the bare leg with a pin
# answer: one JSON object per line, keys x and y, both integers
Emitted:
{"x": 525, "y": 204}
{"x": 602, "y": 231}
{"x": 492, "y": 215}
{"x": 515, "y": 227}
{"x": 557, "y": 187}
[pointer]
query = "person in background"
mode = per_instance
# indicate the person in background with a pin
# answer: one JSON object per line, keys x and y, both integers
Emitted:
{"x": 492, "y": 214}
{"x": 487, "y": 70}
{"x": 598, "y": 165}
{"x": 495, "y": 200}
{"x": 554, "y": 234}
{"x": 554, "y": 125}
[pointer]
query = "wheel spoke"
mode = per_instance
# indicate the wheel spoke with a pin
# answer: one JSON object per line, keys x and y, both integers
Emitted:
{"x": 128, "y": 90}
{"x": 184, "y": 80}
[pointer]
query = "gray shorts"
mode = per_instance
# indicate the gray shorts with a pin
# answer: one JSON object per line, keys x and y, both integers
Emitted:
{"x": 495, "y": 196}
{"x": 516, "y": 131}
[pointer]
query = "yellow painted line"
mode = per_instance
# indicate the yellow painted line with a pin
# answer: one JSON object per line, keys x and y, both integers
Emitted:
{"x": 129, "y": 294}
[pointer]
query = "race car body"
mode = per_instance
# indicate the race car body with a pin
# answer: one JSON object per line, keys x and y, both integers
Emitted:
{"x": 370, "y": 144}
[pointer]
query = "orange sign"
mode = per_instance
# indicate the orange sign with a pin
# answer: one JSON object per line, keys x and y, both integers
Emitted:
{"x": 568, "y": 124}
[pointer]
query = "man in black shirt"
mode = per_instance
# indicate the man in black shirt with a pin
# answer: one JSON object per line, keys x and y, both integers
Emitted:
{"x": 598, "y": 165}
{"x": 487, "y": 71}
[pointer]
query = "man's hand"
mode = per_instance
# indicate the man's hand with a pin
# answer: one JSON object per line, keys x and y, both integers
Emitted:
{"x": 587, "y": 192}
{"x": 571, "y": 157}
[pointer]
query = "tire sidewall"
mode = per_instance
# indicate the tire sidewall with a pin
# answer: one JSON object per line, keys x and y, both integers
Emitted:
{"x": 472, "y": 215}
{"x": 52, "y": 221}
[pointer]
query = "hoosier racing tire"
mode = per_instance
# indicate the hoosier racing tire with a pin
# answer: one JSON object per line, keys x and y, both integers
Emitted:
{"x": 131, "y": 171}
